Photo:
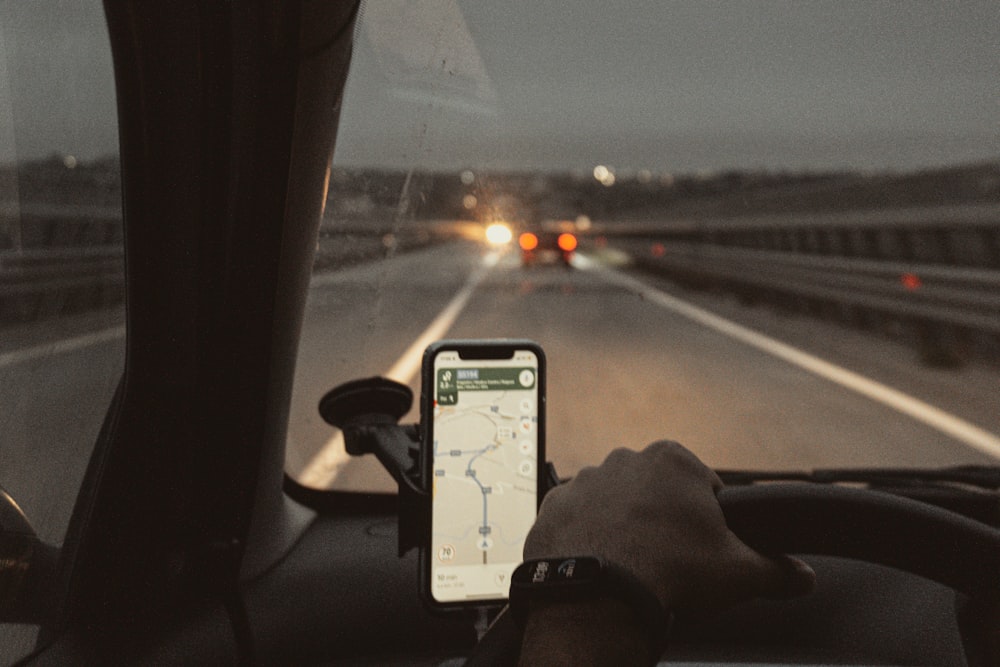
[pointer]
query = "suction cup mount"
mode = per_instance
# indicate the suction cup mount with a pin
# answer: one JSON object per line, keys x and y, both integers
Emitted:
{"x": 368, "y": 412}
{"x": 370, "y": 400}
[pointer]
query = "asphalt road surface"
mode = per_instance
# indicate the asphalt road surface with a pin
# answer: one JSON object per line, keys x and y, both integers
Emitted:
{"x": 629, "y": 364}
{"x": 626, "y": 367}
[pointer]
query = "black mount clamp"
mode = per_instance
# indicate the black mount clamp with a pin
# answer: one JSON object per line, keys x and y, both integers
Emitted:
{"x": 368, "y": 411}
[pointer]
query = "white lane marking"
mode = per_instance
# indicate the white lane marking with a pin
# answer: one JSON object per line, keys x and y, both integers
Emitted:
{"x": 60, "y": 346}
{"x": 938, "y": 419}
{"x": 324, "y": 466}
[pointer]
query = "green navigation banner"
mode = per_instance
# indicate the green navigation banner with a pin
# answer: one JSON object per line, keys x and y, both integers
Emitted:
{"x": 451, "y": 381}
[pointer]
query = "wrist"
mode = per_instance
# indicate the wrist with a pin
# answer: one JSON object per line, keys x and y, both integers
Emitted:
{"x": 600, "y": 631}
{"x": 569, "y": 592}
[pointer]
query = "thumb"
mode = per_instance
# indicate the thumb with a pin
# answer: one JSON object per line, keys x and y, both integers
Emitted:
{"x": 786, "y": 577}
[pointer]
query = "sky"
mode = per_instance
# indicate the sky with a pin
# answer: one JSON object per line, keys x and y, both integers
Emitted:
{"x": 665, "y": 86}
{"x": 57, "y": 91}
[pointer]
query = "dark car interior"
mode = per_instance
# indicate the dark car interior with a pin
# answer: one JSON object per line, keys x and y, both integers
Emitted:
{"x": 189, "y": 545}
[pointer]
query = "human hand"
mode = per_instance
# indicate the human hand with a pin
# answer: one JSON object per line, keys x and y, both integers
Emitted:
{"x": 655, "y": 513}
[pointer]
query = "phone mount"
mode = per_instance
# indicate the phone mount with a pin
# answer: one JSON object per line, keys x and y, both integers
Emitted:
{"x": 368, "y": 411}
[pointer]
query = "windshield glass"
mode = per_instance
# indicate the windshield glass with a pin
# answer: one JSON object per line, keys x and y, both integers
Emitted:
{"x": 62, "y": 323}
{"x": 785, "y": 223}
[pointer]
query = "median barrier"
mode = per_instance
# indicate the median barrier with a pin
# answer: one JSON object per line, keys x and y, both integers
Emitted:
{"x": 933, "y": 274}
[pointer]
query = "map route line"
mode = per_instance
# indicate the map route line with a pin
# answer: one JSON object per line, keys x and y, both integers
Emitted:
{"x": 485, "y": 529}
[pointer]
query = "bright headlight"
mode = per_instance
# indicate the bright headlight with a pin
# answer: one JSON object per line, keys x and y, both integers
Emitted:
{"x": 498, "y": 234}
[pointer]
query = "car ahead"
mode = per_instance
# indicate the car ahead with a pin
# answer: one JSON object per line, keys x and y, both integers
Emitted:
{"x": 552, "y": 241}
{"x": 202, "y": 531}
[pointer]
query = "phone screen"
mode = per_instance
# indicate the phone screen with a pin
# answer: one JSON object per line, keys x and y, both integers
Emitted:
{"x": 486, "y": 448}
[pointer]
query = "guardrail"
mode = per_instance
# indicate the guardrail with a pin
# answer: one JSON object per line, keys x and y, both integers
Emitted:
{"x": 58, "y": 258}
{"x": 934, "y": 274}
{"x": 67, "y": 273}
{"x": 40, "y": 283}
{"x": 344, "y": 241}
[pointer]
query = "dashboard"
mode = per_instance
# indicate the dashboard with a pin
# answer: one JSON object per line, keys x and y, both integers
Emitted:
{"x": 343, "y": 591}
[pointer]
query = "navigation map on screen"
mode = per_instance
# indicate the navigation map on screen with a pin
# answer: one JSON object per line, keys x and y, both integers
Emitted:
{"x": 484, "y": 472}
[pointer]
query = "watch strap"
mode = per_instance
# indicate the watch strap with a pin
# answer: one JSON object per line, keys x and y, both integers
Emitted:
{"x": 540, "y": 581}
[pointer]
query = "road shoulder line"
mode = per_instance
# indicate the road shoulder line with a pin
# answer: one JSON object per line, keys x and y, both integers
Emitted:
{"x": 324, "y": 466}
{"x": 944, "y": 422}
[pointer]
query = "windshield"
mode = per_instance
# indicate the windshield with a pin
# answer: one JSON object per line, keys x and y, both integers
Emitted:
{"x": 62, "y": 320}
{"x": 785, "y": 220}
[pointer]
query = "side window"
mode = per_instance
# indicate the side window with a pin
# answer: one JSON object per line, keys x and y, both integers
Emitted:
{"x": 61, "y": 264}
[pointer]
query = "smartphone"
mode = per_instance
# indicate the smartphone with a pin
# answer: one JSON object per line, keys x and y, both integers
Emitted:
{"x": 483, "y": 449}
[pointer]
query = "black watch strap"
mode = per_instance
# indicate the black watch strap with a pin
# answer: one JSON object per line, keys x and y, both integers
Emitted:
{"x": 542, "y": 580}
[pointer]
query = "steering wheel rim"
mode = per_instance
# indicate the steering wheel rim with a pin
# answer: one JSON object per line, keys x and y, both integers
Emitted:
{"x": 867, "y": 525}
{"x": 858, "y": 524}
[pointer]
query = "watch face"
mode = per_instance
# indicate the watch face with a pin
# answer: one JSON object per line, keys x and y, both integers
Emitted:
{"x": 555, "y": 571}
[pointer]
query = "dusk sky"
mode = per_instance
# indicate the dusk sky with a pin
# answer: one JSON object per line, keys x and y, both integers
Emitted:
{"x": 657, "y": 85}
{"x": 57, "y": 92}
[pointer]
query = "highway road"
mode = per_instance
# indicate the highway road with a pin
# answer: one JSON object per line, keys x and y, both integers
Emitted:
{"x": 633, "y": 359}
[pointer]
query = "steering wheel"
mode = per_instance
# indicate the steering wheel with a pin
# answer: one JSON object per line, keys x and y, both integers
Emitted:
{"x": 859, "y": 524}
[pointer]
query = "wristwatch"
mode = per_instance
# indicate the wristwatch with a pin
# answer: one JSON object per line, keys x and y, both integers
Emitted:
{"x": 542, "y": 580}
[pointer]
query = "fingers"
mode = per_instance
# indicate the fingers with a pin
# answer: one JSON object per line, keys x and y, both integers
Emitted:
{"x": 797, "y": 578}
{"x": 780, "y": 577}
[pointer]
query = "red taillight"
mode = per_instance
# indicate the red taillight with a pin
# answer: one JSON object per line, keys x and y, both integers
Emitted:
{"x": 527, "y": 241}
{"x": 911, "y": 281}
{"x": 566, "y": 242}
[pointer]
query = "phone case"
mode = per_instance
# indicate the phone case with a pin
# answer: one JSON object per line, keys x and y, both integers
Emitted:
{"x": 470, "y": 349}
